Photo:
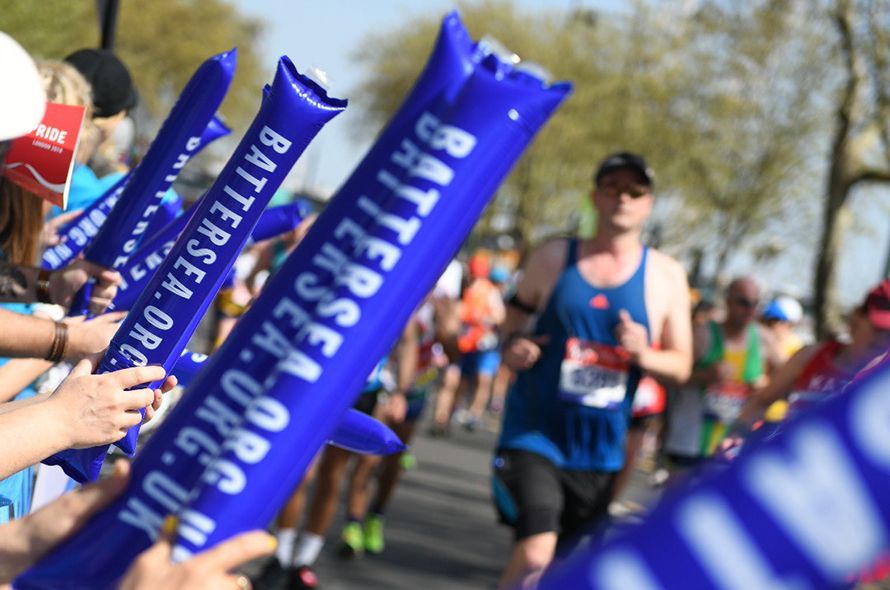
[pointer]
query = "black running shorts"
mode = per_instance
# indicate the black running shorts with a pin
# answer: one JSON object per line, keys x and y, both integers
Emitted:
{"x": 533, "y": 496}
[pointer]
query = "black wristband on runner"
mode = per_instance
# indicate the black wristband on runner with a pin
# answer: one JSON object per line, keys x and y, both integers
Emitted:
{"x": 515, "y": 302}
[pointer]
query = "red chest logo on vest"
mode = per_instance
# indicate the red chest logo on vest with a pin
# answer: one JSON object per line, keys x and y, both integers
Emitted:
{"x": 599, "y": 302}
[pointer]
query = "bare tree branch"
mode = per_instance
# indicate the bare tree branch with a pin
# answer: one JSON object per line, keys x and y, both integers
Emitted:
{"x": 880, "y": 71}
{"x": 873, "y": 175}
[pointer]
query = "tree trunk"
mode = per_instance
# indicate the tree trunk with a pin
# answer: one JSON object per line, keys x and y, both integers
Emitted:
{"x": 824, "y": 286}
{"x": 839, "y": 184}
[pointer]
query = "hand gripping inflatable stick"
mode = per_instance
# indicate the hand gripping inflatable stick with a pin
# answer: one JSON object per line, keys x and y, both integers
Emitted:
{"x": 167, "y": 312}
{"x": 171, "y": 463}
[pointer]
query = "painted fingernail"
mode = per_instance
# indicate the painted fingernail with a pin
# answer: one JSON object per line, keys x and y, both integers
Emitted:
{"x": 170, "y": 525}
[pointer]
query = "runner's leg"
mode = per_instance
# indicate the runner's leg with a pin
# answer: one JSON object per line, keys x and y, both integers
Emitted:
{"x": 391, "y": 470}
{"x": 529, "y": 496}
{"x": 324, "y": 501}
{"x": 446, "y": 397}
{"x": 529, "y": 558}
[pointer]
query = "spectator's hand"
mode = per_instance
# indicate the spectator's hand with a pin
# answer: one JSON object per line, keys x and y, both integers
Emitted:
{"x": 396, "y": 408}
{"x": 86, "y": 338}
{"x": 631, "y": 336}
{"x": 95, "y": 409}
{"x": 49, "y": 233}
{"x": 168, "y": 384}
{"x": 65, "y": 283}
{"x": 37, "y": 533}
{"x": 207, "y": 571}
{"x": 522, "y": 353}
{"x": 730, "y": 446}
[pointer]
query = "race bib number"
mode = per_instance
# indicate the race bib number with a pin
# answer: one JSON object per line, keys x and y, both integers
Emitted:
{"x": 725, "y": 401}
{"x": 593, "y": 374}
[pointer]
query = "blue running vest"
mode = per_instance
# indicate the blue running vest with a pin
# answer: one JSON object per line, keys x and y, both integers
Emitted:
{"x": 536, "y": 419}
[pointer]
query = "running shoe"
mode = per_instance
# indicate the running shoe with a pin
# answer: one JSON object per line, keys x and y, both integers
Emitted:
{"x": 272, "y": 577}
{"x": 374, "y": 534}
{"x": 439, "y": 431}
{"x": 302, "y": 578}
{"x": 352, "y": 541}
{"x": 407, "y": 462}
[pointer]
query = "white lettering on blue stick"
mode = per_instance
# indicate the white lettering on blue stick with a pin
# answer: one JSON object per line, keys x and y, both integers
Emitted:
{"x": 723, "y": 548}
{"x": 870, "y": 421}
{"x": 819, "y": 499}
{"x": 621, "y": 569}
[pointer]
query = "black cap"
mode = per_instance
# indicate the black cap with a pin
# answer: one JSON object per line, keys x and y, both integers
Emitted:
{"x": 621, "y": 160}
{"x": 113, "y": 89}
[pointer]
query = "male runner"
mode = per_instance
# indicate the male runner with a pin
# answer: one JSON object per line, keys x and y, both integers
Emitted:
{"x": 602, "y": 305}
{"x": 732, "y": 359}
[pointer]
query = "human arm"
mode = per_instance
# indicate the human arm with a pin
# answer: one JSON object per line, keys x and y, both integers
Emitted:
{"x": 25, "y": 541}
{"x": 778, "y": 388}
{"x": 520, "y": 351}
{"x": 671, "y": 362}
{"x": 30, "y": 337}
{"x": 86, "y": 410}
{"x": 407, "y": 354}
{"x": 16, "y": 375}
{"x": 448, "y": 325}
{"x": 21, "y": 284}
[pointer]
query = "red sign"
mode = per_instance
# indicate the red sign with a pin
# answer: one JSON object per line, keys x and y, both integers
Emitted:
{"x": 42, "y": 161}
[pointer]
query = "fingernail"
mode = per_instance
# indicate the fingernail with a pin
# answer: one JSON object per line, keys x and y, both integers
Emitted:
{"x": 169, "y": 526}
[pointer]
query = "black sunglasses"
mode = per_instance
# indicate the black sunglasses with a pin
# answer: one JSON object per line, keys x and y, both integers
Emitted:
{"x": 635, "y": 191}
{"x": 743, "y": 302}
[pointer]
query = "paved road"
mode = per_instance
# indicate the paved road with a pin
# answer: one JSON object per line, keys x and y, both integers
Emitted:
{"x": 441, "y": 530}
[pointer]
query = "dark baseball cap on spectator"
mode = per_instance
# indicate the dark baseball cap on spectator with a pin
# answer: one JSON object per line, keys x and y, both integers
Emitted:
{"x": 622, "y": 160}
{"x": 113, "y": 89}
{"x": 877, "y": 306}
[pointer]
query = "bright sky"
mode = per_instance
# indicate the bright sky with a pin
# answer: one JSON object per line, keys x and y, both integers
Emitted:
{"x": 327, "y": 33}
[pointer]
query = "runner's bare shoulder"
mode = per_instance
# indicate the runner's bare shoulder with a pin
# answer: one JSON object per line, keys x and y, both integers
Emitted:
{"x": 667, "y": 299}
{"x": 541, "y": 271}
{"x": 668, "y": 268}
